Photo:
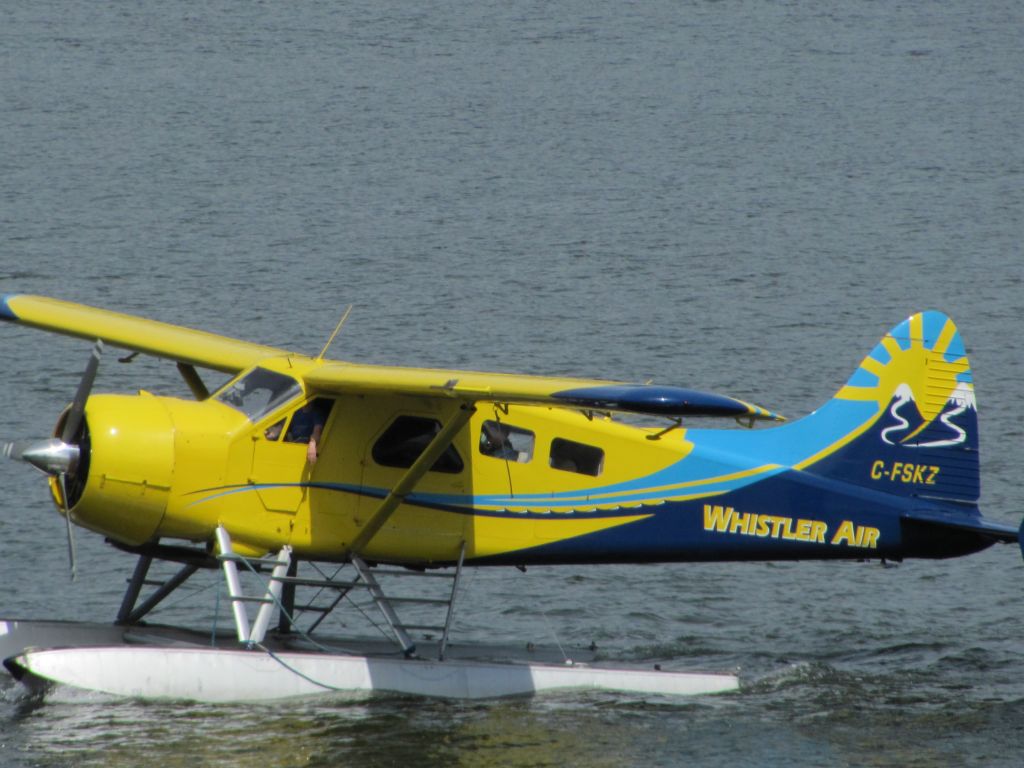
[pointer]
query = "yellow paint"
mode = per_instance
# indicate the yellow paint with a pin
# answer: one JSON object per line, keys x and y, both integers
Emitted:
{"x": 853, "y": 535}
{"x": 722, "y": 519}
{"x": 905, "y": 472}
{"x": 152, "y": 337}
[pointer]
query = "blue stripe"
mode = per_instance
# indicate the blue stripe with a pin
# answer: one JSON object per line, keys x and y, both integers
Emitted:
{"x": 862, "y": 378}
{"x": 932, "y": 324}
{"x": 901, "y": 333}
{"x": 880, "y": 354}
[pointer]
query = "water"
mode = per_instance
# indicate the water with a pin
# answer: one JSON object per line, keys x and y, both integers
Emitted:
{"x": 737, "y": 196}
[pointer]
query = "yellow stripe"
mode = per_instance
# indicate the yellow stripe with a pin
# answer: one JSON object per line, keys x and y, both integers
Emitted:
{"x": 873, "y": 366}
{"x": 661, "y": 492}
{"x": 947, "y": 335}
{"x": 917, "y": 330}
{"x": 892, "y": 346}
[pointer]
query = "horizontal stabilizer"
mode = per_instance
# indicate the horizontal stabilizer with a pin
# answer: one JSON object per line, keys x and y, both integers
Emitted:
{"x": 963, "y": 522}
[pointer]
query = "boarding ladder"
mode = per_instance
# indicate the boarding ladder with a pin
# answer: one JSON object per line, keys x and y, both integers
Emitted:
{"x": 284, "y": 582}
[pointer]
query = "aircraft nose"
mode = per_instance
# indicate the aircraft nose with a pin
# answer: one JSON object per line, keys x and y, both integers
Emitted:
{"x": 125, "y": 472}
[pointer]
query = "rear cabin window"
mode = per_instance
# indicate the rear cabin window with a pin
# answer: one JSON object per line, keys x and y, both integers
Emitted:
{"x": 406, "y": 438}
{"x": 570, "y": 456}
{"x": 503, "y": 441}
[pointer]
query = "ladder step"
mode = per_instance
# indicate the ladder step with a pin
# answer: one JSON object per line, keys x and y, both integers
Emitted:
{"x": 421, "y": 574}
{"x": 422, "y": 627}
{"x": 299, "y": 581}
{"x": 271, "y": 561}
{"x": 417, "y": 600}
{"x": 311, "y": 609}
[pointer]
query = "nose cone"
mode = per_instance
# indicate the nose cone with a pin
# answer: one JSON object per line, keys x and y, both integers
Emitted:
{"x": 130, "y": 467}
{"x": 52, "y": 456}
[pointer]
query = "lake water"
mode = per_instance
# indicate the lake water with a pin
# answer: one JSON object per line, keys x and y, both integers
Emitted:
{"x": 734, "y": 196}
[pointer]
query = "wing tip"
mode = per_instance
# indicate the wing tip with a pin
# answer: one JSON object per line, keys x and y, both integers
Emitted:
{"x": 6, "y": 312}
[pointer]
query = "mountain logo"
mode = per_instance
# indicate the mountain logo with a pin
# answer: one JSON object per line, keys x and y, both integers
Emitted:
{"x": 910, "y": 430}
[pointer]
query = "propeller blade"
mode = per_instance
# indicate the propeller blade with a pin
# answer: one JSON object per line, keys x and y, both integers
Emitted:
{"x": 74, "y": 420}
{"x": 62, "y": 478}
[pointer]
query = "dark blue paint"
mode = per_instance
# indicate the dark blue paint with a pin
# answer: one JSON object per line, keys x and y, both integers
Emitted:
{"x": 658, "y": 400}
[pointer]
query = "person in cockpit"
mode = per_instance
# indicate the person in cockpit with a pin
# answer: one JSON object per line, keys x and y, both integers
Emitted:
{"x": 307, "y": 426}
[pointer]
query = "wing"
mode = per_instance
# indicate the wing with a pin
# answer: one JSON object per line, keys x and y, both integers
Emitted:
{"x": 199, "y": 348}
{"x": 221, "y": 353}
{"x": 531, "y": 390}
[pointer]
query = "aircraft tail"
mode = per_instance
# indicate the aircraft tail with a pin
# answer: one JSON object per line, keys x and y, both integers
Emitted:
{"x": 906, "y": 422}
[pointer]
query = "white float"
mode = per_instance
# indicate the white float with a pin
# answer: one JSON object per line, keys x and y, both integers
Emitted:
{"x": 217, "y": 675}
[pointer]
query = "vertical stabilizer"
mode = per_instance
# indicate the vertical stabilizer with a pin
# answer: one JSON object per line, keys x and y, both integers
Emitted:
{"x": 921, "y": 437}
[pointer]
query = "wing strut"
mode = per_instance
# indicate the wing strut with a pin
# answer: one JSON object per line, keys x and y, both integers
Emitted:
{"x": 195, "y": 383}
{"x": 412, "y": 476}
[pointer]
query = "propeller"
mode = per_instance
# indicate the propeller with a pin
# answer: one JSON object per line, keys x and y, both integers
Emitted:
{"x": 77, "y": 412}
{"x": 59, "y": 456}
{"x": 62, "y": 479}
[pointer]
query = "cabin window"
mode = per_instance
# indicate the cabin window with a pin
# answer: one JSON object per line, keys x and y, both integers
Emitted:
{"x": 576, "y": 457}
{"x": 308, "y": 421}
{"x": 406, "y": 438}
{"x": 259, "y": 392}
{"x": 503, "y": 441}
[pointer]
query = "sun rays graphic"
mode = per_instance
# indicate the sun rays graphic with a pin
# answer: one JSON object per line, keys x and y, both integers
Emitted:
{"x": 918, "y": 374}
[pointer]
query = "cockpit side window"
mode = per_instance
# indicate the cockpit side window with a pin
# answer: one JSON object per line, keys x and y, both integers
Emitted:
{"x": 259, "y": 392}
{"x": 309, "y": 420}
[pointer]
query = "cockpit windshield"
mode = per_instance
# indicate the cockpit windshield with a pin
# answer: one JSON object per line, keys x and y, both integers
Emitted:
{"x": 259, "y": 392}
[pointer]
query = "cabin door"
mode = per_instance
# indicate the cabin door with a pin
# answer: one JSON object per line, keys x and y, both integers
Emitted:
{"x": 282, "y": 469}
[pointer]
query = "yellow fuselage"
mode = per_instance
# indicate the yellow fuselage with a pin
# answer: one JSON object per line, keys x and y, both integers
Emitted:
{"x": 161, "y": 467}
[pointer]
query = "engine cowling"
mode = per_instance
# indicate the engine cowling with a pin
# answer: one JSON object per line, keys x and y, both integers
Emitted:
{"x": 123, "y": 477}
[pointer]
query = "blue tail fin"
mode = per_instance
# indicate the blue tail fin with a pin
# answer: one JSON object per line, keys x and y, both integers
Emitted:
{"x": 912, "y": 416}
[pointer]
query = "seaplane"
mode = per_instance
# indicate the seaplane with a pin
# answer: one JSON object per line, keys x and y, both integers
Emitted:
{"x": 307, "y": 475}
